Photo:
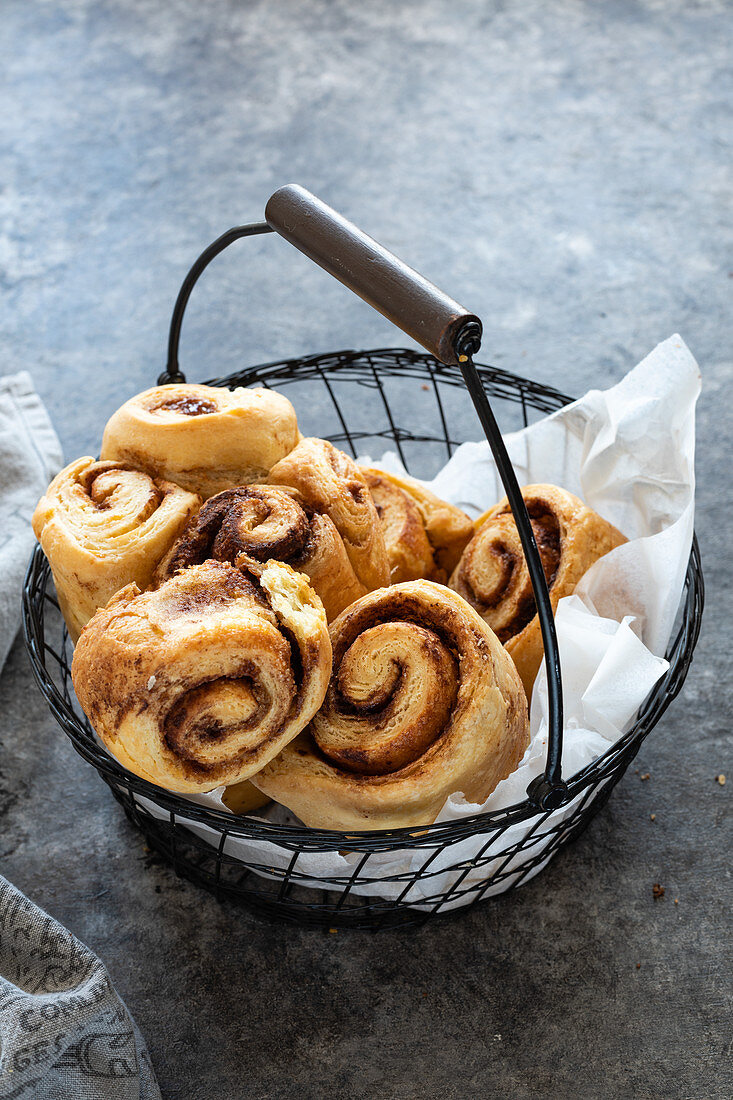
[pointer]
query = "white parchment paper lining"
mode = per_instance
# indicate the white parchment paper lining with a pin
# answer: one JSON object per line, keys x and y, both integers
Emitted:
{"x": 628, "y": 452}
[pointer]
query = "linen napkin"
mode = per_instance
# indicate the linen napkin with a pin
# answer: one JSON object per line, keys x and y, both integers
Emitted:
{"x": 65, "y": 1034}
{"x": 30, "y": 455}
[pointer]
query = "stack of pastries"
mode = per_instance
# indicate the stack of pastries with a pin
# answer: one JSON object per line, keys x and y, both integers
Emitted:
{"x": 254, "y": 611}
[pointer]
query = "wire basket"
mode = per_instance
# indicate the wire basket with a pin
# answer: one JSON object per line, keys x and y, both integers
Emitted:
{"x": 506, "y": 847}
{"x": 419, "y": 405}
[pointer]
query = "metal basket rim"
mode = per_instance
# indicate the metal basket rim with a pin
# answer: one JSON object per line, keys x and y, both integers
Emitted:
{"x": 302, "y": 837}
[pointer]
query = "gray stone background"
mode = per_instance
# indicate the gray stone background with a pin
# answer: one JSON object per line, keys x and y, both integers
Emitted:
{"x": 564, "y": 169}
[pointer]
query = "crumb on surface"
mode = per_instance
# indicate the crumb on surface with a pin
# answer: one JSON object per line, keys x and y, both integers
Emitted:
{"x": 638, "y": 966}
{"x": 657, "y": 891}
{"x": 720, "y": 779}
{"x": 652, "y": 817}
{"x": 646, "y": 775}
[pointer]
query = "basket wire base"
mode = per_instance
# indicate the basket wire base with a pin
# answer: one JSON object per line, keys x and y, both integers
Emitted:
{"x": 281, "y": 893}
{"x": 394, "y": 877}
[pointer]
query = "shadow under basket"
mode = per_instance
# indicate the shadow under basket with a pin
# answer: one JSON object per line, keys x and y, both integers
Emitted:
{"x": 362, "y": 401}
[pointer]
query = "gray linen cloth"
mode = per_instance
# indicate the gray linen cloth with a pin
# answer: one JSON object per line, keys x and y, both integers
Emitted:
{"x": 65, "y": 1034}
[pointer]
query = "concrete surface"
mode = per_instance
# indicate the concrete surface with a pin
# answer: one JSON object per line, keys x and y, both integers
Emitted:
{"x": 562, "y": 168}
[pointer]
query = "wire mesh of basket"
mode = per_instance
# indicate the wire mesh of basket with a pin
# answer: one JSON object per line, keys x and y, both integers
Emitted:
{"x": 410, "y": 402}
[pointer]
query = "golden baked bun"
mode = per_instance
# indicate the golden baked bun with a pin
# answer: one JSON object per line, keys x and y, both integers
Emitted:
{"x": 424, "y": 535}
{"x": 103, "y": 525}
{"x": 329, "y": 482}
{"x": 244, "y": 798}
{"x": 200, "y": 682}
{"x": 266, "y": 522}
{"x": 492, "y": 574}
{"x": 204, "y": 438}
{"x": 423, "y": 702}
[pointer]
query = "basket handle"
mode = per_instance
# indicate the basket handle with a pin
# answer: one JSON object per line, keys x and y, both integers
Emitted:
{"x": 395, "y": 290}
{"x": 447, "y": 331}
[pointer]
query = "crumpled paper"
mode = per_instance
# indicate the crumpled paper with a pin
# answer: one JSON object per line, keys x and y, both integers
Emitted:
{"x": 628, "y": 452}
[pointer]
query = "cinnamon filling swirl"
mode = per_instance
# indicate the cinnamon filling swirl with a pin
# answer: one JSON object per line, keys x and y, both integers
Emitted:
{"x": 216, "y": 724}
{"x": 103, "y": 525}
{"x": 200, "y": 682}
{"x": 493, "y": 576}
{"x": 260, "y": 522}
{"x": 264, "y": 523}
{"x": 394, "y": 690}
{"x": 186, "y": 406}
{"x": 116, "y": 485}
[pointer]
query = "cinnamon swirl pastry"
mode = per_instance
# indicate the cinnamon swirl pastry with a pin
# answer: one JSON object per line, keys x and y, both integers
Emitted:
{"x": 329, "y": 482}
{"x": 424, "y": 536}
{"x": 103, "y": 525}
{"x": 423, "y": 702}
{"x": 204, "y": 438}
{"x": 200, "y": 682}
{"x": 263, "y": 522}
{"x": 492, "y": 574}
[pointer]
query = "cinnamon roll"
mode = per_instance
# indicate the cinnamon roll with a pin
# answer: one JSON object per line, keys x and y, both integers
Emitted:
{"x": 103, "y": 525}
{"x": 200, "y": 682}
{"x": 204, "y": 438}
{"x": 423, "y": 702}
{"x": 492, "y": 574}
{"x": 263, "y": 522}
{"x": 424, "y": 536}
{"x": 329, "y": 482}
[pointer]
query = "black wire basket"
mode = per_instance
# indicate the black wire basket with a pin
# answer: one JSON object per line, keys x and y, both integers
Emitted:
{"x": 415, "y": 403}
